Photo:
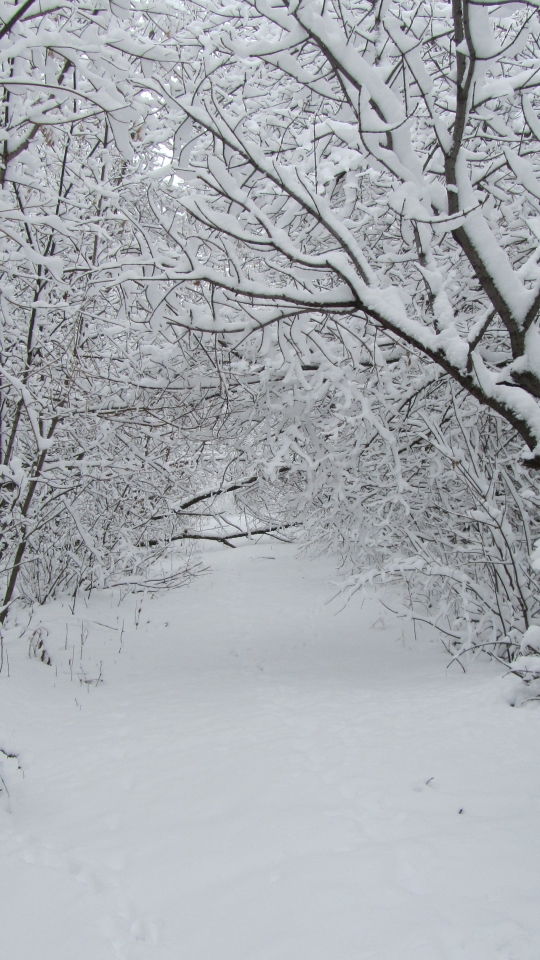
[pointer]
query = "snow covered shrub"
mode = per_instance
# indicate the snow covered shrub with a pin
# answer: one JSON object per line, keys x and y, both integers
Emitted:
{"x": 102, "y": 417}
{"x": 522, "y": 683}
{"x": 422, "y": 494}
{"x": 460, "y": 540}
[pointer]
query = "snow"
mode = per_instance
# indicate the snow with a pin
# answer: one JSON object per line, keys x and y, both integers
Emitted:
{"x": 258, "y": 778}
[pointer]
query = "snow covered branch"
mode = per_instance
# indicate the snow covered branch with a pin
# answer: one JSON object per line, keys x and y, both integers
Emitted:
{"x": 359, "y": 160}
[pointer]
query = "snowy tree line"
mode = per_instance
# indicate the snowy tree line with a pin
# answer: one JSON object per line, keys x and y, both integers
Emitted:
{"x": 288, "y": 250}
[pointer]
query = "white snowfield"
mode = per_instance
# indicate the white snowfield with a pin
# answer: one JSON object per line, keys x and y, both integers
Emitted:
{"x": 257, "y": 778}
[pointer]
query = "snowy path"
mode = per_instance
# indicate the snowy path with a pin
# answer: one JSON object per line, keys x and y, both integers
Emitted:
{"x": 258, "y": 779}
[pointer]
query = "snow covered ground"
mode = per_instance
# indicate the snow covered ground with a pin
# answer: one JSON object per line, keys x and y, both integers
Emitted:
{"x": 259, "y": 779}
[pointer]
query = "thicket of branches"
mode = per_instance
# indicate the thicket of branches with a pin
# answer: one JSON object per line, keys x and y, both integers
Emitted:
{"x": 299, "y": 243}
{"x": 107, "y": 423}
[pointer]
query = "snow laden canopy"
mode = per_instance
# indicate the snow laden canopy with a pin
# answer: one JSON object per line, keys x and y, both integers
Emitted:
{"x": 255, "y": 242}
{"x": 355, "y": 161}
{"x": 352, "y": 216}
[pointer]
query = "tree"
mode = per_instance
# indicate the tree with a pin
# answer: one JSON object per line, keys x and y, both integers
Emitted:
{"x": 362, "y": 177}
{"x": 103, "y": 421}
{"x": 367, "y": 163}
